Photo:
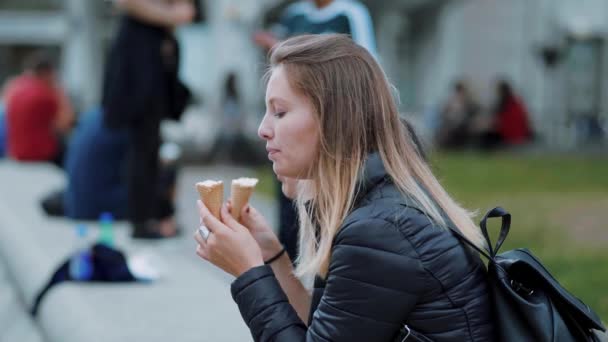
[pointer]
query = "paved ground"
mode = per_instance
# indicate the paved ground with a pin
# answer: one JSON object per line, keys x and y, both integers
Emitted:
{"x": 190, "y": 303}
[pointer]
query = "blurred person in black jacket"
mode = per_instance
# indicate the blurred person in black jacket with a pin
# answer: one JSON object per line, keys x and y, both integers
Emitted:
{"x": 141, "y": 87}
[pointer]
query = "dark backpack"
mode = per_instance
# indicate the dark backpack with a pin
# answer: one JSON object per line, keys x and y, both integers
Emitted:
{"x": 530, "y": 305}
{"x": 109, "y": 265}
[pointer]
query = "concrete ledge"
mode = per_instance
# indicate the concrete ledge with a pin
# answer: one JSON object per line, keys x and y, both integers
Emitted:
{"x": 190, "y": 303}
{"x": 16, "y": 324}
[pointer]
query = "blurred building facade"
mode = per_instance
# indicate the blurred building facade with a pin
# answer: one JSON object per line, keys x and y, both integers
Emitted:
{"x": 555, "y": 52}
{"x": 70, "y": 29}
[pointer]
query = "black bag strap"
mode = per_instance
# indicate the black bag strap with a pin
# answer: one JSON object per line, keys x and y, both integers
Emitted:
{"x": 62, "y": 274}
{"x": 490, "y": 252}
{"x": 504, "y": 228}
{"x": 464, "y": 239}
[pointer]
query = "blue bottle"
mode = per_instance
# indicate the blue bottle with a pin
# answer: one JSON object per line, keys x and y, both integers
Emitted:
{"x": 81, "y": 263}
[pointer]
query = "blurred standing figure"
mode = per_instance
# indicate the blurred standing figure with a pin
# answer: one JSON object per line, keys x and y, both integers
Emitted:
{"x": 141, "y": 87}
{"x": 38, "y": 113}
{"x": 231, "y": 142}
{"x": 457, "y": 116}
{"x": 323, "y": 16}
{"x": 510, "y": 119}
{"x": 315, "y": 17}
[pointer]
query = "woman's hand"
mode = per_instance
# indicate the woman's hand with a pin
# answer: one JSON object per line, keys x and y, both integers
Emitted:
{"x": 229, "y": 245}
{"x": 261, "y": 231}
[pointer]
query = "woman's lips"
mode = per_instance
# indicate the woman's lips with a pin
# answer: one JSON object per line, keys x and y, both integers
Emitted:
{"x": 272, "y": 152}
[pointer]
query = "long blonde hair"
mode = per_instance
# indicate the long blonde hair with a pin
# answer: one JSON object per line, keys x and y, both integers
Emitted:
{"x": 357, "y": 115}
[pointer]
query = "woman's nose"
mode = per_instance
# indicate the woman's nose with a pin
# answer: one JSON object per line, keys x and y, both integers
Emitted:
{"x": 265, "y": 131}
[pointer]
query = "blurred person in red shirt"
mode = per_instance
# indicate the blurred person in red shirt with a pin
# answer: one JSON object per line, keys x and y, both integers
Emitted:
{"x": 510, "y": 123}
{"x": 38, "y": 113}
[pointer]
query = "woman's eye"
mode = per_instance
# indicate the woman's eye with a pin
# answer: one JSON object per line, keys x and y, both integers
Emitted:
{"x": 279, "y": 114}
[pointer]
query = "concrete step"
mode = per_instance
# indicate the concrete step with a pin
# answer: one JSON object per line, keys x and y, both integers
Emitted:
{"x": 15, "y": 322}
{"x": 191, "y": 302}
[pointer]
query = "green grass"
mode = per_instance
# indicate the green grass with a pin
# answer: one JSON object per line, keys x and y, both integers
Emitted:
{"x": 267, "y": 185}
{"x": 515, "y": 174}
{"x": 559, "y": 208}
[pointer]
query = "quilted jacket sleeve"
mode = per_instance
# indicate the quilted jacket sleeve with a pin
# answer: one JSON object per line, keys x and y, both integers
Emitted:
{"x": 374, "y": 281}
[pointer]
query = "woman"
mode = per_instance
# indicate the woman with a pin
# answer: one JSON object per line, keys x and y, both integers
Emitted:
{"x": 373, "y": 217}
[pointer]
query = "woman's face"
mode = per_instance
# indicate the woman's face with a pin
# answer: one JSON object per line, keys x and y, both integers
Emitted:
{"x": 289, "y": 128}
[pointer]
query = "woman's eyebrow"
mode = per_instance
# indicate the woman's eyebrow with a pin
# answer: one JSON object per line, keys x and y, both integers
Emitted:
{"x": 276, "y": 100}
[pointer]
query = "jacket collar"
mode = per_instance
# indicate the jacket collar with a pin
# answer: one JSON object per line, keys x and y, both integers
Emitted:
{"x": 372, "y": 174}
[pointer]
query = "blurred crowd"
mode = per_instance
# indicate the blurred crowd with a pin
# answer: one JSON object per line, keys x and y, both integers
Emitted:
{"x": 463, "y": 122}
{"x": 109, "y": 153}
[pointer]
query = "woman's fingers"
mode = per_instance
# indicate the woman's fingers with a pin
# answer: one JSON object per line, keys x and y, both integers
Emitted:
{"x": 229, "y": 244}
{"x": 202, "y": 252}
{"x": 202, "y": 208}
{"x": 228, "y": 219}
{"x": 245, "y": 210}
{"x": 248, "y": 216}
{"x": 252, "y": 218}
{"x": 211, "y": 222}
{"x": 199, "y": 238}
{"x": 201, "y": 248}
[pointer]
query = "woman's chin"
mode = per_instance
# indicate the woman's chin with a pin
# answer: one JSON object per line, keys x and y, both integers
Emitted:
{"x": 277, "y": 171}
{"x": 280, "y": 172}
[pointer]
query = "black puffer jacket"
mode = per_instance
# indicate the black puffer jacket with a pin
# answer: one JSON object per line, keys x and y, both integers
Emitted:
{"x": 389, "y": 266}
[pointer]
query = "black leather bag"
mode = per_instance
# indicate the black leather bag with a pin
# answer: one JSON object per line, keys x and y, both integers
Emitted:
{"x": 109, "y": 265}
{"x": 530, "y": 304}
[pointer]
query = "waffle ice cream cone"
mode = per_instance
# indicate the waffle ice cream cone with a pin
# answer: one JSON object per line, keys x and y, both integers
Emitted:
{"x": 212, "y": 194}
{"x": 241, "y": 191}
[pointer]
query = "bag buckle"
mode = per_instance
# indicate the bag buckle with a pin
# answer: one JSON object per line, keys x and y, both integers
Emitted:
{"x": 518, "y": 287}
{"x": 407, "y": 329}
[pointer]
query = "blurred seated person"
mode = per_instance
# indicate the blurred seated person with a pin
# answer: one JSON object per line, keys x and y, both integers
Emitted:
{"x": 457, "y": 116}
{"x": 510, "y": 124}
{"x": 96, "y": 161}
{"x": 38, "y": 113}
